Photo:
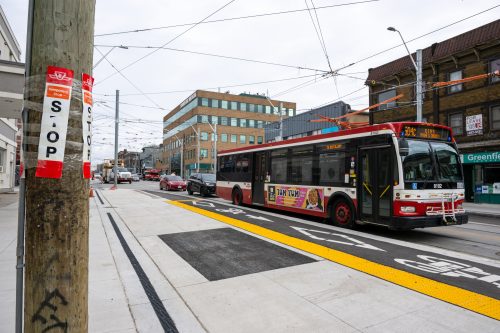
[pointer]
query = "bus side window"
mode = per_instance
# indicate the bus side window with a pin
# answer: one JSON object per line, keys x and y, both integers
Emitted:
{"x": 278, "y": 166}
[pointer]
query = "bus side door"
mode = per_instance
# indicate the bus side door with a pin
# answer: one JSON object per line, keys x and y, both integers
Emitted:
{"x": 375, "y": 184}
{"x": 259, "y": 177}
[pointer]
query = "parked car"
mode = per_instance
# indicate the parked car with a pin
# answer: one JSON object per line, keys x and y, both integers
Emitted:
{"x": 204, "y": 183}
{"x": 172, "y": 183}
{"x": 135, "y": 177}
{"x": 97, "y": 176}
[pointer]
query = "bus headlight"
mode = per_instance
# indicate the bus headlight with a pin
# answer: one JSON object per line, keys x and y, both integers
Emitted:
{"x": 408, "y": 209}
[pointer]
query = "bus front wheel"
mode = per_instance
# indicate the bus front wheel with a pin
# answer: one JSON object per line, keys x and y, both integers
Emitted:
{"x": 237, "y": 197}
{"x": 342, "y": 214}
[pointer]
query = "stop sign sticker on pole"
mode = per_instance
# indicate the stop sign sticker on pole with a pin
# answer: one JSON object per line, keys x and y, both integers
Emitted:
{"x": 54, "y": 126}
{"x": 87, "y": 83}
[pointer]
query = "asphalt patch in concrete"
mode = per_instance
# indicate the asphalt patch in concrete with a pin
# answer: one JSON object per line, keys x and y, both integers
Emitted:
{"x": 225, "y": 253}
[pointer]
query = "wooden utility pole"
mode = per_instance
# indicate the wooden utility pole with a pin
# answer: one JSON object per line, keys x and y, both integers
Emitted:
{"x": 57, "y": 210}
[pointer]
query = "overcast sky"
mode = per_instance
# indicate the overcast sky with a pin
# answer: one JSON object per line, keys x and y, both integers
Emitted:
{"x": 350, "y": 32}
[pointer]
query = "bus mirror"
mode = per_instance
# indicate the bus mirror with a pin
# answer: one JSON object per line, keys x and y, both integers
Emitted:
{"x": 404, "y": 148}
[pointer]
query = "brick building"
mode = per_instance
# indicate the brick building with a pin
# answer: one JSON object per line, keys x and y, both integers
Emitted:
{"x": 239, "y": 119}
{"x": 472, "y": 108}
{"x": 131, "y": 160}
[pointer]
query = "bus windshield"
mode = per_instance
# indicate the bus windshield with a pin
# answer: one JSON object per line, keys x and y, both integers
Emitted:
{"x": 431, "y": 161}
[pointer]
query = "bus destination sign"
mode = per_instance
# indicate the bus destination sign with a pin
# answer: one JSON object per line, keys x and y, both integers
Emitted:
{"x": 425, "y": 132}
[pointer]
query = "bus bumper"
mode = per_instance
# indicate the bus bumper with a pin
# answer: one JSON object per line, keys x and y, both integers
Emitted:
{"x": 411, "y": 222}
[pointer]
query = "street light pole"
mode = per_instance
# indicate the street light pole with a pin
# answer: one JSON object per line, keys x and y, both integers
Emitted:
{"x": 182, "y": 154}
{"x": 198, "y": 148}
{"x": 117, "y": 117}
{"x": 214, "y": 130}
{"x": 418, "y": 69}
{"x": 105, "y": 55}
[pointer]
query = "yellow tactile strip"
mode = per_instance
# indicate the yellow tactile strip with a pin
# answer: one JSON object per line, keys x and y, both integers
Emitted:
{"x": 464, "y": 298}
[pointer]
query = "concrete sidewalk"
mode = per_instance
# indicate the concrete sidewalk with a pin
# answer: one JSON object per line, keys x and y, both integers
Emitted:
{"x": 319, "y": 296}
{"x": 487, "y": 210}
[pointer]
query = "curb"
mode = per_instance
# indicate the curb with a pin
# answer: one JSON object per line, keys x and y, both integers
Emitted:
{"x": 483, "y": 214}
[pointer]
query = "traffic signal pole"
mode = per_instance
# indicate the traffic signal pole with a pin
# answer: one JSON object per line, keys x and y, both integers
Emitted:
{"x": 57, "y": 209}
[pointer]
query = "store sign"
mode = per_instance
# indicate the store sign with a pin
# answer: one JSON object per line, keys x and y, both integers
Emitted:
{"x": 486, "y": 157}
{"x": 296, "y": 197}
{"x": 474, "y": 124}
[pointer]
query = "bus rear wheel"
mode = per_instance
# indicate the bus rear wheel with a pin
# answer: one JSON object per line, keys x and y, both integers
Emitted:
{"x": 342, "y": 214}
{"x": 237, "y": 197}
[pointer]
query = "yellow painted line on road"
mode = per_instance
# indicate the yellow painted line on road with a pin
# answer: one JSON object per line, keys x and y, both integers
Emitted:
{"x": 464, "y": 298}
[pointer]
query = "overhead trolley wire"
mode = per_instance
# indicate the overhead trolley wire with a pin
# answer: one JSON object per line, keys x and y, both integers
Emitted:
{"x": 232, "y": 18}
{"x": 218, "y": 56}
{"x": 170, "y": 41}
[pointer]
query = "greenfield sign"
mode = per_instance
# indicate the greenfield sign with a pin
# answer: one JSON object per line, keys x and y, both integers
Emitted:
{"x": 486, "y": 157}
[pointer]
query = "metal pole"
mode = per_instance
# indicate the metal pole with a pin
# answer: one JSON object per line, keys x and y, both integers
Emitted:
{"x": 22, "y": 189}
{"x": 281, "y": 120}
{"x": 117, "y": 117}
{"x": 182, "y": 159}
{"x": 214, "y": 130}
{"x": 215, "y": 148}
{"x": 198, "y": 148}
{"x": 420, "y": 101}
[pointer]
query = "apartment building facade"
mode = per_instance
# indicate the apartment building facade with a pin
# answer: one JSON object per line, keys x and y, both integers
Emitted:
{"x": 471, "y": 109}
{"x": 207, "y": 122}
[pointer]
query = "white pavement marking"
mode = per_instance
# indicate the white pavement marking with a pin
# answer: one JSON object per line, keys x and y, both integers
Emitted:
{"x": 353, "y": 241}
{"x": 421, "y": 247}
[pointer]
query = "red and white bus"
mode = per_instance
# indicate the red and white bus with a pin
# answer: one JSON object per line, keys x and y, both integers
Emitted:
{"x": 401, "y": 175}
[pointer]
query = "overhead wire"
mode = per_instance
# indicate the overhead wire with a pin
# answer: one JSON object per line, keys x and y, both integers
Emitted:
{"x": 170, "y": 41}
{"x": 232, "y": 18}
{"x": 217, "y": 56}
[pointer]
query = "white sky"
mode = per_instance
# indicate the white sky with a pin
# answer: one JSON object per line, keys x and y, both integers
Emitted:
{"x": 351, "y": 33}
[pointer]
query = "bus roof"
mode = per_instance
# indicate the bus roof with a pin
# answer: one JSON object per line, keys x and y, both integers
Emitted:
{"x": 395, "y": 127}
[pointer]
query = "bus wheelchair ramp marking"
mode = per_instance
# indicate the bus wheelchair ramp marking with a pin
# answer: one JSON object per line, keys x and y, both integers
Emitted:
{"x": 225, "y": 253}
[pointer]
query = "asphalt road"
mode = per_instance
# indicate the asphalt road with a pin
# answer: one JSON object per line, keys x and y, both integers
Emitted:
{"x": 480, "y": 237}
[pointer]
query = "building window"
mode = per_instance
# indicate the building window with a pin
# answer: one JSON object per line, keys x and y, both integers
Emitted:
{"x": 204, "y": 102}
{"x": 267, "y": 109}
{"x": 215, "y": 120}
{"x": 243, "y": 139}
{"x": 243, "y": 106}
{"x": 215, "y": 103}
{"x": 204, "y": 136}
{"x": 456, "y": 123}
{"x": 495, "y": 117}
{"x": 457, "y": 75}
{"x": 234, "y": 122}
{"x": 260, "y": 108}
{"x": 223, "y": 121}
{"x": 3, "y": 157}
{"x": 251, "y": 123}
{"x": 260, "y": 123}
{"x": 259, "y": 140}
{"x": 384, "y": 96}
{"x": 233, "y": 138}
{"x": 290, "y": 112}
{"x": 251, "y": 139}
{"x": 243, "y": 123}
{"x": 223, "y": 137}
{"x": 251, "y": 107}
{"x": 204, "y": 119}
{"x": 224, "y": 104}
{"x": 234, "y": 105}
{"x": 213, "y": 137}
{"x": 203, "y": 153}
{"x": 495, "y": 66}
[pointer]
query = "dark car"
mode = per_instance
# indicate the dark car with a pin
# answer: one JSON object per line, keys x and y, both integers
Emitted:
{"x": 204, "y": 183}
{"x": 172, "y": 183}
